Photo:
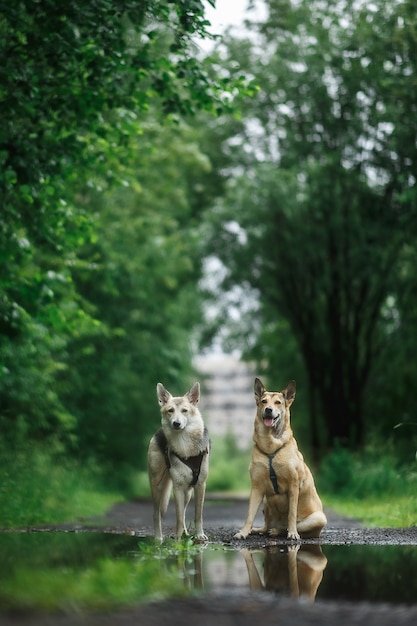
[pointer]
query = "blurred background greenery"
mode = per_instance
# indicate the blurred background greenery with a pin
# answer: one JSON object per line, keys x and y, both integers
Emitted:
{"x": 280, "y": 167}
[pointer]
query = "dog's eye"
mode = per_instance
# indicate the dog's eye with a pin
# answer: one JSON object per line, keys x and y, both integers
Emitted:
{"x": 278, "y": 402}
{"x": 171, "y": 410}
{"x": 184, "y": 410}
{"x": 264, "y": 401}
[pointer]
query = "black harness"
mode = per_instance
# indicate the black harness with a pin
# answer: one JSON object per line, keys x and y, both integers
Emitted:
{"x": 193, "y": 462}
{"x": 272, "y": 472}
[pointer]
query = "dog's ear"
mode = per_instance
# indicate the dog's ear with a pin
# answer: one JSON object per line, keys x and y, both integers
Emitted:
{"x": 259, "y": 388}
{"x": 194, "y": 394}
{"x": 163, "y": 394}
{"x": 289, "y": 393}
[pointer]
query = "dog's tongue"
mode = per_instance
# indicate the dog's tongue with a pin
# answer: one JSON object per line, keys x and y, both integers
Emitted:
{"x": 268, "y": 421}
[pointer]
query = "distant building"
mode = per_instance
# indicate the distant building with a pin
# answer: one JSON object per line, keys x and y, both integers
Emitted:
{"x": 227, "y": 401}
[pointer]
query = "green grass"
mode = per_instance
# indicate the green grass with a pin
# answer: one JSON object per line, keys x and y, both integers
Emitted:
{"x": 228, "y": 467}
{"x": 40, "y": 488}
{"x": 374, "y": 487}
{"x": 107, "y": 584}
{"x": 385, "y": 511}
{"x": 77, "y": 572}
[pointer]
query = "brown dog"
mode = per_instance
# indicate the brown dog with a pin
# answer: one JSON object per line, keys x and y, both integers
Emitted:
{"x": 279, "y": 475}
{"x": 294, "y": 570}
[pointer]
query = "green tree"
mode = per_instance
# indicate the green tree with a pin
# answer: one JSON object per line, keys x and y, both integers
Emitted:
{"x": 75, "y": 79}
{"x": 140, "y": 278}
{"x": 318, "y": 226}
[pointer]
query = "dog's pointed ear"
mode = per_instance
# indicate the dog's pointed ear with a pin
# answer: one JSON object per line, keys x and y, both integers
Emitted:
{"x": 194, "y": 394}
{"x": 289, "y": 393}
{"x": 163, "y": 394}
{"x": 259, "y": 388}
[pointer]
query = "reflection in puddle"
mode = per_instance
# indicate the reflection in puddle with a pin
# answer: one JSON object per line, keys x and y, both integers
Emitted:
{"x": 97, "y": 570}
{"x": 370, "y": 573}
{"x": 352, "y": 573}
{"x": 296, "y": 571}
{"x": 76, "y": 571}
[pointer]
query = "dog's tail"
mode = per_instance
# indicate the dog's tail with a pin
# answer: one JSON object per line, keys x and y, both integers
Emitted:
{"x": 165, "y": 495}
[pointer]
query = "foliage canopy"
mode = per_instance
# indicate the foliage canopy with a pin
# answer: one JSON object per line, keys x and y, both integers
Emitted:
{"x": 321, "y": 228}
{"x": 98, "y": 212}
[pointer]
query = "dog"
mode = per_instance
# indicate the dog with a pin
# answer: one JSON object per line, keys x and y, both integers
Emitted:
{"x": 279, "y": 476}
{"x": 294, "y": 570}
{"x": 178, "y": 458}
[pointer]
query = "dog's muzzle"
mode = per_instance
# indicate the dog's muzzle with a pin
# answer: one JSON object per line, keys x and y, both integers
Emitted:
{"x": 176, "y": 425}
{"x": 270, "y": 420}
{"x": 268, "y": 417}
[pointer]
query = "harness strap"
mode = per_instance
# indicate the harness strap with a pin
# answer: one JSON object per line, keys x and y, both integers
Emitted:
{"x": 193, "y": 462}
{"x": 161, "y": 440}
{"x": 272, "y": 473}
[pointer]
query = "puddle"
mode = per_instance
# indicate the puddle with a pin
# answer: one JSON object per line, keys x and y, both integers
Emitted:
{"x": 99, "y": 571}
{"x": 351, "y": 573}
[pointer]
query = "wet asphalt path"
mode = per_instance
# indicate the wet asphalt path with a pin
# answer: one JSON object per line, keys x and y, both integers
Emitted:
{"x": 224, "y": 516}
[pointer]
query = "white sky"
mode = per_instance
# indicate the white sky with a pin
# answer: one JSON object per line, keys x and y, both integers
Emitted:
{"x": 227, "y": 13}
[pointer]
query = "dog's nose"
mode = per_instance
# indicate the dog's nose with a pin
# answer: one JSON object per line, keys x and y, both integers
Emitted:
{"x": 268, "y": 410}
{"x": 176, "y": 425}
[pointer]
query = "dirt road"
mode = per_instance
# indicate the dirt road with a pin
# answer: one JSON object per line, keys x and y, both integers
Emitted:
{"x": 223, "y": 517}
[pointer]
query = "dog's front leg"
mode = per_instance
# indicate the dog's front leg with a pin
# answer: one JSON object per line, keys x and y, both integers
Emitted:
{"x": 255, "y": 582}
{"x": 199, "y": 493}
{"x": 255, "y": 500}
{"x": 293, "y": 570}
{"x": 182, "y": 498}
{"x": 157, "y": 524}
{"x": 293, "y": 494}
{"x": 158, "y": 510}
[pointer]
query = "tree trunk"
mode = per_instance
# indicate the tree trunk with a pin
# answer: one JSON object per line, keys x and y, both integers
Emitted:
{"x": 342, "y": 415}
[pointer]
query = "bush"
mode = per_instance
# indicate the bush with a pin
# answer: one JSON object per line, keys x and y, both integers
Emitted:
{"x": 228, "y": 466}
{"x": 372, "y": 472}
{"x": 40, "y": 487}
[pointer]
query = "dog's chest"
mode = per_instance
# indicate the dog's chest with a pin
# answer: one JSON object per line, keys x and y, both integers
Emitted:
{"x": 188, "y": 443}
{"x": 275, "y": 472}
{"x": 186, "y": 455}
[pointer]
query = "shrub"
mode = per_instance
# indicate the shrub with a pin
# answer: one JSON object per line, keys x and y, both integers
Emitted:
{"x": 372, "y": 472}
{"x": 228, "y": 466}
{"x": 40, "y": 487}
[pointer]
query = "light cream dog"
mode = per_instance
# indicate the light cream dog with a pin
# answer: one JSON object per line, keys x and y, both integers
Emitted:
{"x": 279, "y": 476}
{"x": 178, "y": 457}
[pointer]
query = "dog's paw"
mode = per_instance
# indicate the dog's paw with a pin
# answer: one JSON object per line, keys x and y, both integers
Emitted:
{"x": 293, "y": 535}
{"x": 182, "y": 534}
{"x": 240, "y": 535}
